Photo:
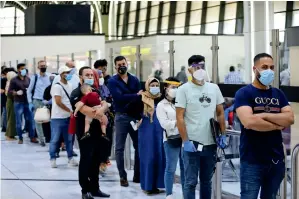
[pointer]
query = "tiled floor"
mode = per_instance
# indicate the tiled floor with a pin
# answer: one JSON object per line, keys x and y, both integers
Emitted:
{"x": 26, "y": 174}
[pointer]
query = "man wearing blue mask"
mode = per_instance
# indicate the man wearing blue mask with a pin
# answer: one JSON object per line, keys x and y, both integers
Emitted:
{"x": 74, "y": 81}
{"x": 126, "y": 92}
{"x": 60, "y": 116}
{"x": 263, "y": 111}
{"x": 196, "y": 103}
{"x": 18, "y": 87}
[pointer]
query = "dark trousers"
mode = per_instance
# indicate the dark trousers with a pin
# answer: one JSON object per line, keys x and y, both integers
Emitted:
{"x": 266, "y": 177}
{"x": 122, "y": 128}
{"x": 90, "y": 159}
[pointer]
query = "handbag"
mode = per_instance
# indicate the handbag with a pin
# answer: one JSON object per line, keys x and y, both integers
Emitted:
{"x": 72, "y": 125}
{"x": 42, "y": 115}
{"x": 174, "y": 140}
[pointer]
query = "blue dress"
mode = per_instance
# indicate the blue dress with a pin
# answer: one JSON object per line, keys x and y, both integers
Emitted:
{"x": 151, "y": 152}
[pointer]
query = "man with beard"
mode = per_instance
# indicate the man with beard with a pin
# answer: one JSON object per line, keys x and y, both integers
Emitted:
{"x": 263, "y": 111}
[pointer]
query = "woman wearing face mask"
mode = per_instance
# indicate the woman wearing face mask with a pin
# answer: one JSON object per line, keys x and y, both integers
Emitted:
{"x": 150, "y": 136}
{"x": 171, "y": 137}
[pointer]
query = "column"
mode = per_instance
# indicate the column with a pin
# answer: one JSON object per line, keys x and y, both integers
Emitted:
{"x": 258, "y": 23}
{"x": 293, "y": 44}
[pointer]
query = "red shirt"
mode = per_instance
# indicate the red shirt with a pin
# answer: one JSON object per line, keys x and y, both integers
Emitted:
{"x": 91, "y": 99}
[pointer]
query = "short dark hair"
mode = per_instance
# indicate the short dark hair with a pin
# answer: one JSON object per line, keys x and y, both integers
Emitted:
{"x": 99, "y": 63}
{"x": 82, "y": 69}
{"x": 119, "y": 58}
{"x": 231, "y": 68}
{"x": 260, "y": 56}
{"x": 195, "y": 59}
{"x": 20, "y": 65}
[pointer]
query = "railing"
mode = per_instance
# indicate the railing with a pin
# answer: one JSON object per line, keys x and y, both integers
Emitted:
{"x": 294, "y": 161}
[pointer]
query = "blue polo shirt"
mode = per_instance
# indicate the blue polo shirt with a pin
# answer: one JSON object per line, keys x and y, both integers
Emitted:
{"x": 124, "y": 94}
{"x": 261, "y": 147}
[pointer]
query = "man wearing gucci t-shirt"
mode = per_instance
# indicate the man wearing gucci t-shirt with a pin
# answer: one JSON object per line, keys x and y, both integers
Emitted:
{"x": 263, "y": 111}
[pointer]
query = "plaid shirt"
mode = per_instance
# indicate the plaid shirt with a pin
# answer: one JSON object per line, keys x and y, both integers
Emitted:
{"x": 233, "y": 78}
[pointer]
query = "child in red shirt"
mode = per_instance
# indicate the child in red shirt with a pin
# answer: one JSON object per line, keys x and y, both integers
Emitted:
{"x": 91, "y": 99}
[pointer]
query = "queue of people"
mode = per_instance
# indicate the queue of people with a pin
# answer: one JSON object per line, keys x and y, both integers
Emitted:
{"x": 168, "y": 122}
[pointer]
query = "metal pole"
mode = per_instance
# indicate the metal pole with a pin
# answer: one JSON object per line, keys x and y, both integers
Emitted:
{"x": 294, "y": 161}
{"x": 73, "y": 57}
{"x": 171, "y": 58}
{"x": 111, "y": 60}
{"x": 34, "y": 65}
{"x": 128, "y": 153}
{"x": 113, "y": 145}
{"x": 282, "y": 194}
{"x": 215, "y": 48}
{"x": 138, "y": 58}
{"x": 57, "y": 60}
{"x": 275, "y": 54}
{"x": 89, "y": 59}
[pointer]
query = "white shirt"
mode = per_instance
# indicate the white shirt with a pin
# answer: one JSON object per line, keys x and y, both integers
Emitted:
{"x": 200, "y": 104}
{"x": 285, "y": 77}
{"x": 74, "y": 81}
{"x": 166, "y": 115}
{"x": 57, "y": 90}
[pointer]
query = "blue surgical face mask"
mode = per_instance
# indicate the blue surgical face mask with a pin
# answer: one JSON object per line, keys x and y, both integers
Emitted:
{"x": 23, "y": 72}
{"x": 266, "y": 77}
{"x": 68, "y": 77}
{"x": 154, "y": 90}
{"x": 88, "y": 81}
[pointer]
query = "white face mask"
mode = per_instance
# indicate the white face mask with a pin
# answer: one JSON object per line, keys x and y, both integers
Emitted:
{"x": 101, "y": 81}
{"x": 172, "y": 92}
{"x": 200, "y": 75}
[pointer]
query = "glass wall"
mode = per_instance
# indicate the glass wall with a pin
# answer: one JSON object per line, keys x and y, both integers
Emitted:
{"x": 192, "y": 45}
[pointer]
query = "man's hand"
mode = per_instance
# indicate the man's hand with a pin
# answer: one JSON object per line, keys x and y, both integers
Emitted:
{"x": 140, "y": 92}
{"x": 264, "y": 117}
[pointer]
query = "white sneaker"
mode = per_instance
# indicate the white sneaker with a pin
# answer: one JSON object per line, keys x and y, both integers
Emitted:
{"x": 169, "y": 197}
{"x": 53, "y": 163}
{"x": 72, "y": 162}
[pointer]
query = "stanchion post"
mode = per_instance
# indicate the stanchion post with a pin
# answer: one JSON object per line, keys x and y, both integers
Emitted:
{"x": 138, "y": 69}
{"x": 294, "y": 161}
{"x": 171, "y": 58}
{"x": 275, "y": 54}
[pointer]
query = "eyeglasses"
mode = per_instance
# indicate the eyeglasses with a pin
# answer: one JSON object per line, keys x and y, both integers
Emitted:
{"x": 200, "y": 65}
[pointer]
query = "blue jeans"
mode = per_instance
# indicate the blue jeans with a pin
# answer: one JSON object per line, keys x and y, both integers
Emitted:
{"x": 173, "y": 154}
{"x": 20, "y": 109}
{"x": 202, "y": 163}
{"x": 266, "y": 177}
{"x": 58, "y": 127}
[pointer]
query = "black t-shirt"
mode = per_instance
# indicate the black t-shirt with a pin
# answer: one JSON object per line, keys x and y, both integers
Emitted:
{"x": 94, "y": 130}
{"x": 3, "y": 96}
{"x": 261, "y": 147}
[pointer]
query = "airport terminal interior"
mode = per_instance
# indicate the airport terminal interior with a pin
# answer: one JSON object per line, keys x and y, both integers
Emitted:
{"x": 155, "y": 41}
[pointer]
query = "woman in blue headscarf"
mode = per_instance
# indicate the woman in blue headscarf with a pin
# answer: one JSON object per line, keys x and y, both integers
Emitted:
{"x": 150, "y": 137}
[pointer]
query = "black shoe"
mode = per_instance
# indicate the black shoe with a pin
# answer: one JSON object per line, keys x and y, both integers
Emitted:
{"x": 87, "y": 196}
{"x": 57, "y": 155}
{"x": 75, "y": 154}
{"x": 136, "y": 180}
{"x": 124, "y": 182}
{"x": 100, "y": 194}
{"x": 42, "y": 143}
